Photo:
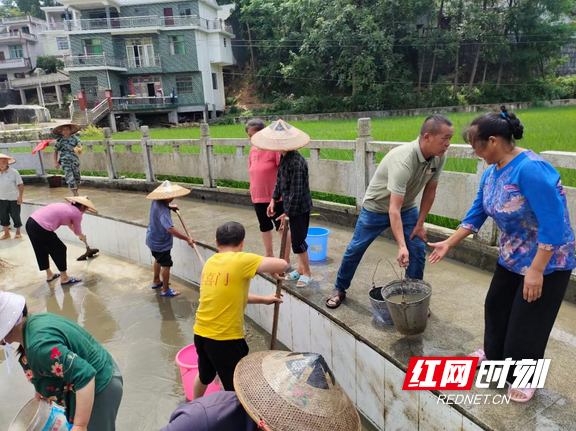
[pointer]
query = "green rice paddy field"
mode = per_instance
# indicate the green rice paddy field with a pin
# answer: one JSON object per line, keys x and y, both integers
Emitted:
{"x": 544, "y": 129}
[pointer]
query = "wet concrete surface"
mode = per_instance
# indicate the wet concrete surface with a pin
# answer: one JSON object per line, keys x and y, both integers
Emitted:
{"x": 455, "y": 327}
{"x": 142, "y": 331}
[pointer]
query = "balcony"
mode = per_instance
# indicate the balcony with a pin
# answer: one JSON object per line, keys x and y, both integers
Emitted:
{"x": 23, "y": 18}
{"x": 15, "y": 63}
{"x": 126, "y": 24}
{"x": 94, "y": 62}
{"x": 17, "y": 36}
{"x": 133, "y": 103}
{"x": 136, "y": 63}
{"x": 57, "y": 26}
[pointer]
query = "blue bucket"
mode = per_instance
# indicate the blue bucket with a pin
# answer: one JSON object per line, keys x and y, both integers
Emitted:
{"x": 317, "y": 241}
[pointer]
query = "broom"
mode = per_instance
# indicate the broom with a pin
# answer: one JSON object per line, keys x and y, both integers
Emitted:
{"x": 89, "y": 252}
{"x": 279, "y": 287}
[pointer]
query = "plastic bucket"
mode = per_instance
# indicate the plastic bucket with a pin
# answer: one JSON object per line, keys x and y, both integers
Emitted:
{"x": 410, "y": 312}
{"x": 379, "y": 307}
{"x": 317, "y": 241}
{"x": 187, "y": 360}
{"x": 39, "y": 415}
{"x": 55, "y": 181}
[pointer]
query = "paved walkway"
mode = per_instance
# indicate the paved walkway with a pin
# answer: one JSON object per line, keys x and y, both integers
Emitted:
{"x": 455, "y": 327}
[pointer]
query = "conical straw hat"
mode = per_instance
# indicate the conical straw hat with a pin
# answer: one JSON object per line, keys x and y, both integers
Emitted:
{"x": 280, "y": 136}
{"x": 74, "y": 128}
{"x": 167, "y": 190}
{"x": 83, "y": 200}
{"x": 11, "y": 160}
{"x": 293, "y": 391}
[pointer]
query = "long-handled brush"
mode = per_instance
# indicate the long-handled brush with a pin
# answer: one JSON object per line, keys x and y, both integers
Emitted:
{"x": 188, "y": 233}
{"x": 279, "y": 287}
{"x": 89, "y": 252}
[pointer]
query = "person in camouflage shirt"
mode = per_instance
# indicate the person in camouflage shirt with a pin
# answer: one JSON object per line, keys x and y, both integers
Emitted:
{"x": 66, "y": 153}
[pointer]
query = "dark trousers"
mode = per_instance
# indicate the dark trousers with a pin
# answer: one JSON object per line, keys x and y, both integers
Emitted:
{"x": 46, "y": 244}
{"x": 515, "y": 328}
{"x": 10, "y": 209}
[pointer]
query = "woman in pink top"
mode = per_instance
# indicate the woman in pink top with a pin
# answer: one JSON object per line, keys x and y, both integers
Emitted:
{"x": 263, "y": 167}
{"x": 41, "y": 228}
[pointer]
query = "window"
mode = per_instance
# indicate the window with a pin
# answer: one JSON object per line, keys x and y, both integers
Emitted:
{"x": 215, "y": 81}
{"x": 62, "y": 43}
{"x": 177, "y": 46}
{"x": 89, "y": 84}
{"x": 92, "y": 46}
{"x": 18, "y": 75}
{"x": 185, "y": 9}
{"x": 26, "y": 30}
{"x": 184, "y": 84}
{"x": 224, "y": 42}
{"x": 141, "y": 11}
{"x": 16, "y": 51}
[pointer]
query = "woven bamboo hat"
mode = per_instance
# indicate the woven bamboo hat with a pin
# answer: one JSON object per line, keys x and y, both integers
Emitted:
{"x": 168, "y": 190}
{"x": 11, "y": 161}
{"x": 293, "y": 392}
{"x": 74, "y": 128}
{"x": 83, "y": 200}
{"x": 280, "y": 136}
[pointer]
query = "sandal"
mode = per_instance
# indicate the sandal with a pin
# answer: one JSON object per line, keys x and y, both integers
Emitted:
{"x": 527, "y": 392}
{"x": 337, "y": 297}
{"x": 156, "y": 286}
{"x": 71, "y": 281}
{"x": 54, "y": 277}
{"x": 292, "y": 276}
{"x": 304, "y": 279}
{"x": 169, "y": 294}
{"x": 479, "y": 354}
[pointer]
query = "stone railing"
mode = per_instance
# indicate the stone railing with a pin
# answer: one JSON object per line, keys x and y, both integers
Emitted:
{"x": 455, "y": 193}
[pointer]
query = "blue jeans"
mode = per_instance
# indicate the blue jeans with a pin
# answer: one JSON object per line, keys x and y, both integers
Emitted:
{"x": 369, "y": 226}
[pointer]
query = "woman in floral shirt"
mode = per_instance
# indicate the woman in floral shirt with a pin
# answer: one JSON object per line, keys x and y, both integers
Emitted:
{"x": 523, "y": 194}
{"x": 65, "y": 364}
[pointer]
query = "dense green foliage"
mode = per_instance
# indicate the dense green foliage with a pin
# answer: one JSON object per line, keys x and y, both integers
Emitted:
{"x": 352, "y": 55}
{"x": 49, "y": 63}
{"x": 29, "y": 7}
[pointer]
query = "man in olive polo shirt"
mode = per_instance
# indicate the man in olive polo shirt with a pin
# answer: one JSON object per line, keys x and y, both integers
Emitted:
{"x": 390, "y": 201}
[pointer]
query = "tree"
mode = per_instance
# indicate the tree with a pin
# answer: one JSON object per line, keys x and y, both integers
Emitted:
{"x": 49, "y": 63}
{"x": 30, "y": 7}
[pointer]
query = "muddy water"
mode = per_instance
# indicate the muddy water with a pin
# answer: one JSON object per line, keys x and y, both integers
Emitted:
{"x": 116, "y": 305}
{"x": 407, "y": 299}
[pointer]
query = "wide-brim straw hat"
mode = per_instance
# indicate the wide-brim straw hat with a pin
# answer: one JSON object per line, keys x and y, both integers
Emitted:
{"x": 11, "y": 307}
{"x": 293, "y": 391}
{"x": 11, "y": 160}
{"x": 83, "y": 200}
{"x": 168, "y": 190}
{"x": 74, "y": 128}
{"x": 280, "y": 136}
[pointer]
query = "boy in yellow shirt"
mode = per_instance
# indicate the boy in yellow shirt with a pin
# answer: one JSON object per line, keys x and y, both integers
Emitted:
{"x": 219, "y": 327}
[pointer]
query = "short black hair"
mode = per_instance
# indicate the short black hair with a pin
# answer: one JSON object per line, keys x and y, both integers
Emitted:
{"x": 231, "y": 233}
{"x": 255, "y": 124}
{"x": 433, "y": 124}
{"x": 505, "y": 125}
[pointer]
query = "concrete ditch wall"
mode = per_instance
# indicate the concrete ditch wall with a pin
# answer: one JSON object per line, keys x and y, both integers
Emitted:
{"x": 371, "y": 377}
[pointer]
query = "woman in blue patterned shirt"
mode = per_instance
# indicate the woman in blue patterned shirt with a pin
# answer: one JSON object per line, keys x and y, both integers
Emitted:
{"x": 524, "y": 195}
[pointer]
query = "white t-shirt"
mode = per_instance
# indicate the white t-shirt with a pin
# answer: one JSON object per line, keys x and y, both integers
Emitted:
{"x": 9, "y": 182}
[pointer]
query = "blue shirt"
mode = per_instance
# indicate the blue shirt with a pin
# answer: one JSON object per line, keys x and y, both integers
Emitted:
{"x": 528, "y": 203}
{"x": 218, "y": 411}
{"x": 157, "y": 236}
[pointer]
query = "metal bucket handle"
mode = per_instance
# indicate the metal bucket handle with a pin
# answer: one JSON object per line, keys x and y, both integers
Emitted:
{"x": 400, "y": 277}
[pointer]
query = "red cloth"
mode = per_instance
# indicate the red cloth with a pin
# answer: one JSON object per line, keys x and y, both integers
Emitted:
{"x": 42, "y": 145}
